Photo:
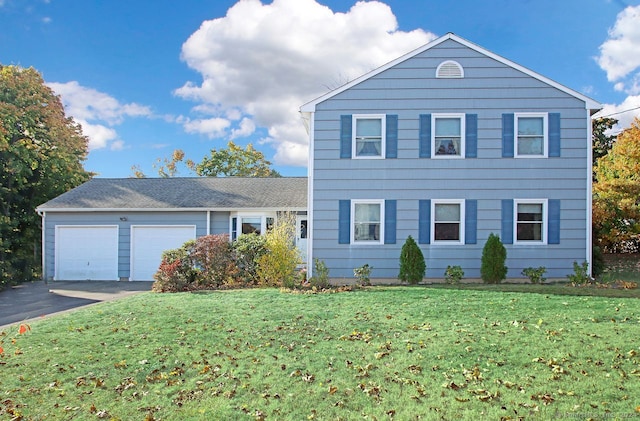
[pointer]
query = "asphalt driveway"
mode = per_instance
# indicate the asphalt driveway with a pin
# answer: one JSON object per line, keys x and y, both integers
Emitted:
{"x": 38, "y": 299}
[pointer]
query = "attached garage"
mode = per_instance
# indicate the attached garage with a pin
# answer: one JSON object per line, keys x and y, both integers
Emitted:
{"x": 149, "y": 241}
{"x": 86, "y": 252}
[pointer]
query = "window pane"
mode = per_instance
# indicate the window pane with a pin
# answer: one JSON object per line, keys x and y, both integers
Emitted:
{"x": 367, "y": 212}
{"x": 368, "y": 147}
{"x": 530, "y": 146}
{"x": 530, "y": 126}
{"x": 367, "y": 232}
{"x": 251, "y": 225}
{"x": 447, "y": 127}
{"x": 447, "y": 146}
{"x": 529, "y": 231}
{"x": 368, "y": 127}
{"x": 445, "y": 232}
{"x": 530, "y": 212}
{"x": 448, "y": 212}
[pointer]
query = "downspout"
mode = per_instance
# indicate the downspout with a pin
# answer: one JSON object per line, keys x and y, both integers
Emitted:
{"x": 208, "y": 222}
{"x": 309, "y": 119}
{"x": 589, "y": 256}
{"x": 43, "y": 215}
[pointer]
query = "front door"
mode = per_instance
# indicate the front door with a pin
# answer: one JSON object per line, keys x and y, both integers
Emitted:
{"x": 301, "y": 236}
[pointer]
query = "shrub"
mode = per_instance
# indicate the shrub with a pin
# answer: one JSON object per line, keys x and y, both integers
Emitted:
{"x": 176, "y": 272}
{"x": 277, "y": 267}
{"x": 535, "y": 275}
{"x": 598, "y": 264}
{"x": 494, "y": 256}
{"x": 580, "y": 275}
{"x": 214, "y": 257}
{"x": 320, "y": 278}
{"x": 248, "y": 249}
{"x": 363, "y": 274}
{"x": 412, "y": 265}
{"x": 453, "y": 274}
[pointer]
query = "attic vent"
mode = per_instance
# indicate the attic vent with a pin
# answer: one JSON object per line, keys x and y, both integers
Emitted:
{"x": 450, "y": 70}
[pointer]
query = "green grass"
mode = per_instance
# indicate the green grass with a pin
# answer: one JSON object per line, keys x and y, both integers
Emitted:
{"x": 380, "y": 353}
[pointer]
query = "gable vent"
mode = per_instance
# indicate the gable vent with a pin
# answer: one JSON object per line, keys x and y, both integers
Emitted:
{"x": 450, "y": 70}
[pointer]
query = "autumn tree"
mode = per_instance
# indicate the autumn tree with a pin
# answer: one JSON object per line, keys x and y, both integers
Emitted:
{"x": 602, "y": 142}
{"x": 616, "y": 194}
{"x": 41, "y": 151}
{"x": 236, "y": 162}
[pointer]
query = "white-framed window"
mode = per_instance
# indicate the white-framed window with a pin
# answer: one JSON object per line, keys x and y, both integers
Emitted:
{"x": 447, "y": 222}
{"x": 447, "y": 135}
{"x": 530, "y": 221}
{"x": 249, "y": 223}
{"x": 531, "y": 135}
{"x": 368, "y": 136}
{"x": 367, "y": 221}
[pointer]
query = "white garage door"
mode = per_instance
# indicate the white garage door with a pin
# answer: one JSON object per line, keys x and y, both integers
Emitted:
{"x": 148, "y": 243}
{"x": 86, "y": 253}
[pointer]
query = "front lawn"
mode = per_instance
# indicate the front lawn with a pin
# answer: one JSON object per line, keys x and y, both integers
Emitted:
{"x": 379, "y": 353}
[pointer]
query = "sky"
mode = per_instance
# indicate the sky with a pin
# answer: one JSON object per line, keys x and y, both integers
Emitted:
{"x": 146, "y": 77}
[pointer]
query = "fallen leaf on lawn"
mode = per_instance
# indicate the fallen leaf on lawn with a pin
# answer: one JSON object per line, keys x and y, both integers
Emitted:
{"x": 24, "y": 328}
{"x": 1, "y": 350}
{"x": 332, "y": 390}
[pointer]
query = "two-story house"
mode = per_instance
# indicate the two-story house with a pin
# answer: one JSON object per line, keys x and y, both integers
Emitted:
{"x": 448, "y": 144}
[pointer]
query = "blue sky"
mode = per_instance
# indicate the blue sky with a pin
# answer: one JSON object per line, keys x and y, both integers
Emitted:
{"x": 146, "y": 77}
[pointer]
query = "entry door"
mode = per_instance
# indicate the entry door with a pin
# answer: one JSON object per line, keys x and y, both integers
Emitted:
{"x": 301, "y": 236}
{"x": 86, "y": 253}
{"x": 149, "y": 241}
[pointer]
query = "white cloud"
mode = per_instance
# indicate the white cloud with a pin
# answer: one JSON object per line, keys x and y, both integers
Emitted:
{"x": 97, "y": 112}
{"x": 246, "y": 128}
{"x": 620, "y": 53}
{"x": 265, "y": 60}
{"x": 212, "y": 127}
{"x": 624, "y": 112}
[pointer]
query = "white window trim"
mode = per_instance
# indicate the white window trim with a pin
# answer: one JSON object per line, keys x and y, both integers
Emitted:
{"x": 545, "y": 221}
{"x": 435, "y": 202}
{"x": 263, "y": 221}
{"x": 383, "y": 134}
{"x": 463, "y": 139}
{"x": 353, "y": 221}
{"x": 545, "y": 134}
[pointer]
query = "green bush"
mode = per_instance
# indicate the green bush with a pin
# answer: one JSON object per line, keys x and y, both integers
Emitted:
{"x": 248, "y": 249}
{"x": 494, "y": 256}
{"x": 363, "y": 275}
{"x": 412, "y": 264}
{"x": 535, "y": 275}
{"x": 320, "y": 278}
{"x": 277, "y": 267}
{"x": 598, "y": 264}
{"x": 453, "y": 274}
{"x": 580, "y": 275}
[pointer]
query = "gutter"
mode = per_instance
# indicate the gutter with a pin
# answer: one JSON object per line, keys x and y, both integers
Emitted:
{"x": 43, "y": 215}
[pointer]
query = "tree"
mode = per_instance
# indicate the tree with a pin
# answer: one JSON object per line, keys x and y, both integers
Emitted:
{"x": 236, "y": 162}
{"x": 616, "y": 193}
{"x": 41, "y": 151}
{"x": 494, "y": 255}
{"x": 602, "y": 143}
{"x": 412, "y": 264}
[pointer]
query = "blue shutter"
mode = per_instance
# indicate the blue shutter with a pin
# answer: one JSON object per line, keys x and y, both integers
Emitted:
{"x": 345, "y": 136}
{"x": 390, "y": 207}
{"x": 470, "y": 221}
{"x": 392, "y": 136}
{"x": 344, "y": 222}
{"x": 507, "y": 135}
{"x": 424, "y": 221}
{"x": 554, "y": 134}
{"x": 471, "y": 136}
{"x": 425, "y": 136}
{"x": 507, "y": 221}
{"x": 553, "y": 214}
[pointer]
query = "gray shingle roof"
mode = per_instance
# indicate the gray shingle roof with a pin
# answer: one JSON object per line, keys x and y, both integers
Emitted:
{"x": 181, "y": 193}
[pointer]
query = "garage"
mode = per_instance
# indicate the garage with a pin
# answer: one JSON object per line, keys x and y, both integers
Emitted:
{"x": 86, "y": 253}
{"x": 149, "y": 241}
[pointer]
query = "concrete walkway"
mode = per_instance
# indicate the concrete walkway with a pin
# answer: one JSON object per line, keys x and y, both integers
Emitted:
{"x": 34, "y": 300}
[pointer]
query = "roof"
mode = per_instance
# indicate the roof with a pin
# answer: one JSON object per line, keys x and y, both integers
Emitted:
{"x": 201, "y": 193}
{"x": 590, "y": 104}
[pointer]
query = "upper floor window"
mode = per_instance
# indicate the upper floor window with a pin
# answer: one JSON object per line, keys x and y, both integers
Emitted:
{"x": 530, "y": 220}
{"x": 531, "y": 135}
{"x": 368, "y": 136}
{"x": 447, "y": 140}
{"x": 367, "y": 217}
{"x": 449, "y": 70}
{"x": 448, "y": 221}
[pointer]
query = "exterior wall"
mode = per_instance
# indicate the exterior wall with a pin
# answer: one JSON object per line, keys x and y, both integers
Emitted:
{"x": 199, "y": 219}
{"x": 219, "y": 222}
{"x": 488, "y": 89}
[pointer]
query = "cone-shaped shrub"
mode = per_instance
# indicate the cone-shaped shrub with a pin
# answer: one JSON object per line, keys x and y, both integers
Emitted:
{"x": 494, "y": 255}
{"x": 412, "y": 265}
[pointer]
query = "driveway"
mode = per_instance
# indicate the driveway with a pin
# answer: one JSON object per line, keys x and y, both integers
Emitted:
{"x": 38, "y": 299}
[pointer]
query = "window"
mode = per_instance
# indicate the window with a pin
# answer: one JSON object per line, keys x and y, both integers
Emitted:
{"x": 530, "y": 217}
{"x": 367, "y": 220}
{"x": 531, "y": 135}
{"x": 448, "y": 221}
{"x": 251, "y": 223}
{"x": 448, "y": 135}
{"x": 369, "y": 136}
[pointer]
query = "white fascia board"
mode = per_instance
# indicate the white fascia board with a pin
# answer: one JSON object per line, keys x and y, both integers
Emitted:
{"x": 68, "y": 210}
{"x": 590, "y": 104}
